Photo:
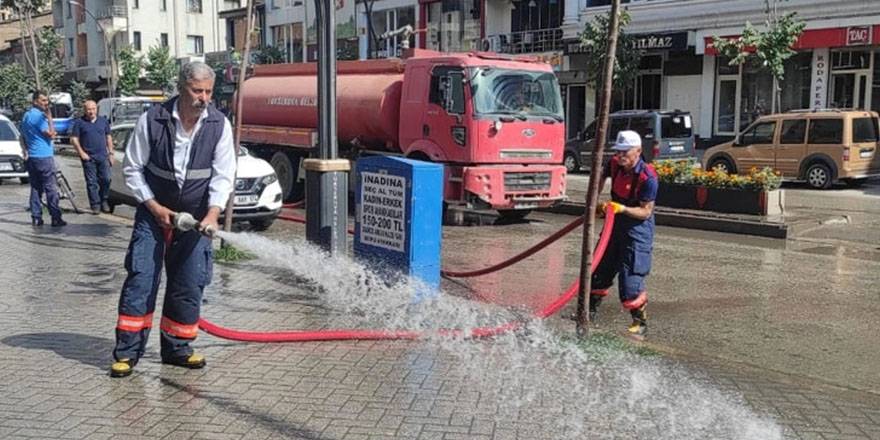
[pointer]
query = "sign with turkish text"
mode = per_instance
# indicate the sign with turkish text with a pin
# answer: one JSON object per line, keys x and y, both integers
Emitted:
{"x": 819, "y": 79}
{"x": 858, "y": 35}
{"x": 383, "y": 207}
{"x": 663, "y": 41}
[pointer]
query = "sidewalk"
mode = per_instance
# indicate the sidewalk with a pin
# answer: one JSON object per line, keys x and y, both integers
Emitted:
{"x": 58, "y": 308}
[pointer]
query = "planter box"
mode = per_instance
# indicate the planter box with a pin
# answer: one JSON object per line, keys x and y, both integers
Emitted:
{"x": 730, "y": 201}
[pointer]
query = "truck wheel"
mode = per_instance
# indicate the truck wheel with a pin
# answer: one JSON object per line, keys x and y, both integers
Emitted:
{"x": 291, "y": 190}
{"x": 24, "y": 180}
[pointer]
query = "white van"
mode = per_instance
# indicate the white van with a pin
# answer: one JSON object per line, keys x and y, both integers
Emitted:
{"x": 11, "y": 159}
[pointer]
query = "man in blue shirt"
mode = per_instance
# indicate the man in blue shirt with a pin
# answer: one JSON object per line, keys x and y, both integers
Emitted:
{"x": 92, "y": 140}
{"x": 37, "y": 132}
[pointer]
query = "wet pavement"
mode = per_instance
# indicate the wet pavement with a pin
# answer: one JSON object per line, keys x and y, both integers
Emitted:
{"x": 786, "y": 328}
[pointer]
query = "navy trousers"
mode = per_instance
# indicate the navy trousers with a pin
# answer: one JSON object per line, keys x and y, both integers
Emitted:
{"x": 188, "y": 261}
{"x": 97, "y": 173}
{"x": 628, "y": 260}
{"x": 41, "y": 172}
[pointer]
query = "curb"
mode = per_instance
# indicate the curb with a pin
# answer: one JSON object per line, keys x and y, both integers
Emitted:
{"x": 711, "y": 221}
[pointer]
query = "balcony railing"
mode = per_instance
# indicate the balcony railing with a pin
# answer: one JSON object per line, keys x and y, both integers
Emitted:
{"x": 543, "y": 40}
{"x": 112, "y": 12}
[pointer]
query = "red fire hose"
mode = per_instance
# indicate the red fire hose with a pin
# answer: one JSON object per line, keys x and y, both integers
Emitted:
{"x": 332, "y": 335}
{"x": 293, "y": 205}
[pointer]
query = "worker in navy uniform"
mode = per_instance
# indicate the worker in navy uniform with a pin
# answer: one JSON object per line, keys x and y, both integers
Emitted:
{"x": 628, "y": 256}
{"x": 180, "y": 159}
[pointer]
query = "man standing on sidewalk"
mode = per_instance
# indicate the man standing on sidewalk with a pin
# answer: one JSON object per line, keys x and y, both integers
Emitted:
{"x": 180, "y": 159}
{"x": 628, "y": 256}
{"x": 92, "y": 140}
{"x": 37, "y": 132}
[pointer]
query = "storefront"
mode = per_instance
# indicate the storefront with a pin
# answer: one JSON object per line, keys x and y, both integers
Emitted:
{"x": 669, "y": 77}
{"x": 833, "y": 68}
{"x": 452, "y": 25}
{"x": 386, "y": 16}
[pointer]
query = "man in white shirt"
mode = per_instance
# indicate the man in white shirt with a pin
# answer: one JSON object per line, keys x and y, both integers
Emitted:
{"x": 181, "y": 159}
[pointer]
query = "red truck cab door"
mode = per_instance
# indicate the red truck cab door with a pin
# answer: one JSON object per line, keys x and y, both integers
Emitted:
{"x": 426, "y": 126}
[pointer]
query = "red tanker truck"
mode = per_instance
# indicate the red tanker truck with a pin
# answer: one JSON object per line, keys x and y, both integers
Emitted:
{"x": 495, "y": 122}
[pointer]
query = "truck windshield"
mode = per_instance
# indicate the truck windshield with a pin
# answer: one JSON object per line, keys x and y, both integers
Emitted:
{"x": 515, "y": 92}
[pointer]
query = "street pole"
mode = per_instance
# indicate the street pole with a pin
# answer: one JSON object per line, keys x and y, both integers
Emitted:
{"x": 327, "y": 175}
{"x": 583, "y": 317}
{"x": 236, "y": 138}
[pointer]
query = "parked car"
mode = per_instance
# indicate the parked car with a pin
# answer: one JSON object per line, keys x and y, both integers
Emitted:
{"x": 257, "y": 191}
{"x": 819, "y": 147}
{"x": 672, "y": 128}
{"x": 11, "y": 159}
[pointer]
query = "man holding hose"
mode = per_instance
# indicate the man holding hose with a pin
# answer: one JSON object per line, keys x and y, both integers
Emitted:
{"x": 633, "y": 191}
{"x": 181, "y": 159}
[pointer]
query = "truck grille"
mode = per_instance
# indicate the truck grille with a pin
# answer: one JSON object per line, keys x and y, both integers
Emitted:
{"x": 538, "y": 181}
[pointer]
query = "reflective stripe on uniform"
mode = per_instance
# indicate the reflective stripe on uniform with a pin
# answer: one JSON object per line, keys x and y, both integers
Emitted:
{"x": 636, "y": 302}
{"x": 134, "y": 323}
{"x": 204, "y": 173}
{"x": 160, "y": 173}
{"x": 600, "y": 292}
{"x": 179, "y": 330}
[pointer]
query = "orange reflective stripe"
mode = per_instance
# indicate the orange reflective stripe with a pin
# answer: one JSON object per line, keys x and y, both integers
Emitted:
{"x": 134, "y": 323}
{"x": 599, "y": 292}
{"x": 179, "y": 330}
{"x": 636, "y": 302}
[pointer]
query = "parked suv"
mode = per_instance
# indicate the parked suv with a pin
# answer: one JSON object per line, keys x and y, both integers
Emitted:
{"x": 11, "y": 159}
{"x": 819, "y": 147}
{"x": 673, "y": 129}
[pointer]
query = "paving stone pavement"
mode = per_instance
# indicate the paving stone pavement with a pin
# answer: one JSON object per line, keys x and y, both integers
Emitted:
{"x": 58, "y": 308}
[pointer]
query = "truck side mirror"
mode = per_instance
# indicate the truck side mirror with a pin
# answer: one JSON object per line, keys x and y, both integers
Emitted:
{"x": 455, "y": 93}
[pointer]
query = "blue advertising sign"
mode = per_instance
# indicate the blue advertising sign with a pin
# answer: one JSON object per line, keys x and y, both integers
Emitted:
{"x": 398, "y": 216}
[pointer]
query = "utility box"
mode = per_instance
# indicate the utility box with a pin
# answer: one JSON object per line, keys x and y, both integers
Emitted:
{"x": 398, "y": 216}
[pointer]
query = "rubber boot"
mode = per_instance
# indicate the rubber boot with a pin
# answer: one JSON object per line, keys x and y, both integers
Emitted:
{"x": 595, "y": 301}
{"x": 122, "y": 367}
{"x": 639, "y": 325}
{"x": 193, "y": 361}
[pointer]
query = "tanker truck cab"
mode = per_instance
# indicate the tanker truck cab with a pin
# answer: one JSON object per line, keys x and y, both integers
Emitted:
{"x": 496, "y": 122}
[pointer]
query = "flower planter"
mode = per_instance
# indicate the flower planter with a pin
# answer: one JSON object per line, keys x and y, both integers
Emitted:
{"x": 730, "y": 201}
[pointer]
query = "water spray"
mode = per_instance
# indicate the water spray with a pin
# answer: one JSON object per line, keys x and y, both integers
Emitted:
{"x": 184, "y": 221}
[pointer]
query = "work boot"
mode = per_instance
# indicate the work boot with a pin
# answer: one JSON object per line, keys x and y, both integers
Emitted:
{"x": 37, "y": 222}
{"x": 595, "y": 301}
{"x": 122, "y": 367}
{"x": 105, "y": 207}
{"x": 58, "y": 223}
{"x": 96, "y": 209}
{"x": 639, "y": 326}
{"x": 193, "y": 361}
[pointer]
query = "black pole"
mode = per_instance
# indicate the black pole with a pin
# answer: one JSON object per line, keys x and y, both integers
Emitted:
{"x": 327, "y": 176}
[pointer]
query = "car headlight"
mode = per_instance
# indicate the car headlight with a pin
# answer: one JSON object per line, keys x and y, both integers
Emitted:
{"x": 268, "y": 180}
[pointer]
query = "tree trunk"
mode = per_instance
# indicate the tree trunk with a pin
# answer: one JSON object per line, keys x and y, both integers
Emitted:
{"x": 27, "y": 55}
{"x": 583, "y": 318}
{"x": 36, "y": 64}
{"x": 249, "y": 30}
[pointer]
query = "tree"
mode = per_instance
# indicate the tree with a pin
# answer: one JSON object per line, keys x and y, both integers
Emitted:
{"x": 269, "y": 55}
{"x": 80, "y": 94}
{"x": 130, "y": 66}
{"x": 772, "y": 45}
{"x": 594, "y": 43}
{"x": 161, "y": 69}
{"x": 26, "y": 10}
{"x": 49, "y": 56}
{"x": 15, "y": 89}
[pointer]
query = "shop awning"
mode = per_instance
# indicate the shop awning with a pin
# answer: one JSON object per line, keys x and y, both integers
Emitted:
{"x": 852, "y": 36}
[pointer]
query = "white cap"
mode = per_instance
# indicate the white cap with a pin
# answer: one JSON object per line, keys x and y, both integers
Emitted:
{"x": 627, "y": 140}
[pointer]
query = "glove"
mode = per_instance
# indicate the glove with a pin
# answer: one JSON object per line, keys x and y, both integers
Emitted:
{"x": 614, "y": 207}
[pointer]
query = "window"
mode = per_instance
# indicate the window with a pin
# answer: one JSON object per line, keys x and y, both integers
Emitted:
{"x": 195, "y": 44}
{"x": 793, "y": 131}
{"x": 70, "y": 47}
{"x": 865, "y": 130}
{"x": 796, "y": 87}
{"x": 69, "y": 10}
{"x": 137, "y": 40}
{"x": 194, "y": 7}
{"x": 163, "y": 39}
{"x": 850, "y": 60}
{"x": 136, "y": 4}
{"x": 642, "y": 126}
{"x": 452, "y": 25}
{"x": 826, "y": 131}
{"x": 757, "y": 91}
{"x": 617, "y": 125}
{"x": 676, "y": 126}
{"x": 163, "y": 5}
{"x": 761, "y": 133}
{"x": 8, "y": 131}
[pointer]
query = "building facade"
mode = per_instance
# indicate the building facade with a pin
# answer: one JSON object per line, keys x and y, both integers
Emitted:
{"x": 93, "y": 31}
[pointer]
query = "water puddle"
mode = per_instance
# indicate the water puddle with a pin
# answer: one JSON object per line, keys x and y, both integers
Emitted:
{"x": 533, "y": 376}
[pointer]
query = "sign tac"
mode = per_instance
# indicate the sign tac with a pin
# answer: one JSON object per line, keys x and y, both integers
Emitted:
{"x": 399, "y": 210}
{"x": 858, "y": 35}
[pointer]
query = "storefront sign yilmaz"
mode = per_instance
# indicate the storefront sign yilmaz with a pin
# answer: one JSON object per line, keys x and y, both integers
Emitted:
{"x": 858, "y": 35}
{"x": 675, "y": 41}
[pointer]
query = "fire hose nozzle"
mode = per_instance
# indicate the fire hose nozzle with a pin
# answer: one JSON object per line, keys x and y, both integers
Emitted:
{"x": 184, "y": 221}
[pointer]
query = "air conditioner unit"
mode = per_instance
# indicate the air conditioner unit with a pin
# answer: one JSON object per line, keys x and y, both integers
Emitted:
{"x": 492, "y": 44}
